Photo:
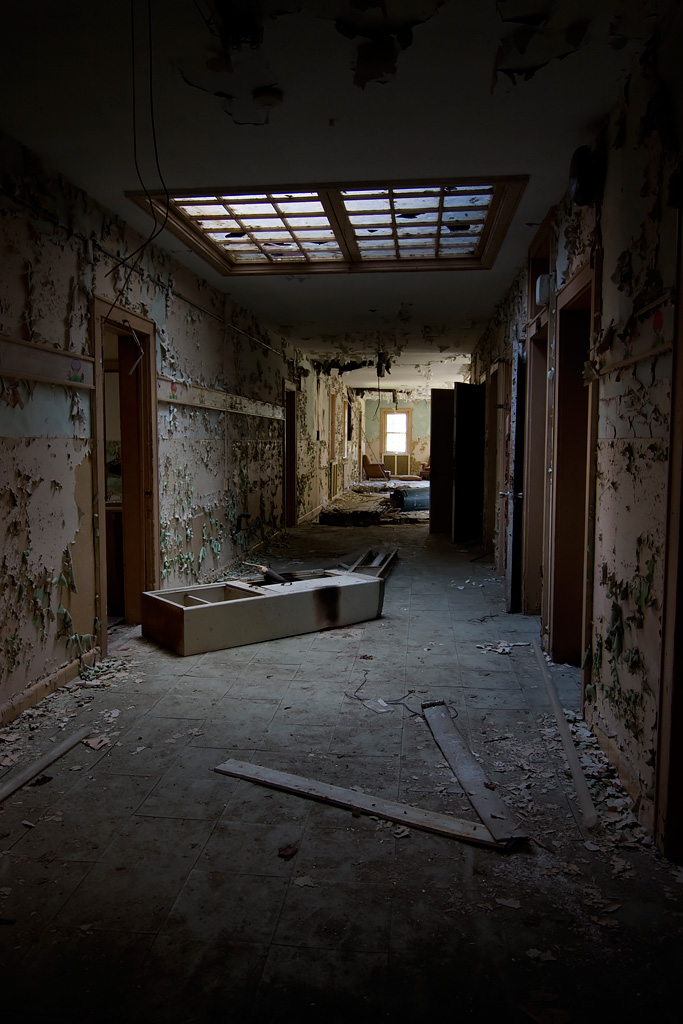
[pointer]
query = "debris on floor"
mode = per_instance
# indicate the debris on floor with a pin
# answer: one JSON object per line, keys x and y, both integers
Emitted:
{"x": 368, "y": 509}
{"x": 502, "y": 647}
{"x": 480, "y": 791}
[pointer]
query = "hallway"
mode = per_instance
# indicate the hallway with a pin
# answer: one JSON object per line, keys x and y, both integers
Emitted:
{"x": 137, "y": 885}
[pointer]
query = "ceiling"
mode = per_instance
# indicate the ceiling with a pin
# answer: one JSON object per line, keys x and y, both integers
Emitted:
{"x": 250, "y": 95}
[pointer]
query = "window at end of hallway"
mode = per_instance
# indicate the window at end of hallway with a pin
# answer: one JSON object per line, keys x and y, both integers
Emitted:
{"x": 395, "y": 431}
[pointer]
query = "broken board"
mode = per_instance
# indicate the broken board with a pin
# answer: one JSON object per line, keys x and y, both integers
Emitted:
{"x": 192, "y": 620}
{"x": 416, "y": 817}
{"x": 472, "y": 777}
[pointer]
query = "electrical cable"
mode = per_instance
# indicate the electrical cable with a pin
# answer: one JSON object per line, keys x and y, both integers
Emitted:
{"x": 157, "y": 228}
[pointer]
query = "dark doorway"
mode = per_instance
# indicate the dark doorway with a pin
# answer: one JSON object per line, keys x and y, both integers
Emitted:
{"x": 569, "y": 482}
{"x": 290, "y": 458}
{"x": 469, "y": 422}
{"x": 127, "y": 503}
{"x": 515, "y": 492}
{"x": 441, "y": 465}
{"x": 535, "y": 473}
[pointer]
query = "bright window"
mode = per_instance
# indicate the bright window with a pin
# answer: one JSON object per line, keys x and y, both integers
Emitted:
{"x": 395, "y": 431}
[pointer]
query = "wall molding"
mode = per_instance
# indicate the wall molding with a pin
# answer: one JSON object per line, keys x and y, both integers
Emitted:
{"x": 177, "y": 393}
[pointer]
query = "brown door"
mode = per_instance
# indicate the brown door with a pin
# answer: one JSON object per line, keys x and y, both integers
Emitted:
{"x": 569, "y": 482}
{"x": 514, "y": 495}
{"x": 441, "y": 465}
{"x": 126, "y": 474}
{"x": 535, "y": 473}
{"x": 469, "y": 425}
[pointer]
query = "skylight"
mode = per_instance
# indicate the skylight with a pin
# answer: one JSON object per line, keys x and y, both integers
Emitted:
{"x": 459, "y": 225}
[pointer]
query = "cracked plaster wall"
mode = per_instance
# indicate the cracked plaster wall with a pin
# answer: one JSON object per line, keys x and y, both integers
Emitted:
{"x": 639, "y": 240}
{"x": 635, "y": 227}
{"x": 56, "y": 248}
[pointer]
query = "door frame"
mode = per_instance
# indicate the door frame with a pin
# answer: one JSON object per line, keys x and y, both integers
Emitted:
{"x": 122, "y": 322}
{"x": 668, "y": 791}
{"x": 289, "y": 454}
{"x": 582, "y": 284}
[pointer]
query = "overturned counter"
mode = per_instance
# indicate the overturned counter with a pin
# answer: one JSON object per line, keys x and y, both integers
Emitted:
{"x": 192, "y": 620}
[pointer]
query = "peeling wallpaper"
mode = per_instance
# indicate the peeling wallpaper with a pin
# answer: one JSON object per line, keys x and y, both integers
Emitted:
{"x": 220, "y": 417}
{"x": 634, "y": 227}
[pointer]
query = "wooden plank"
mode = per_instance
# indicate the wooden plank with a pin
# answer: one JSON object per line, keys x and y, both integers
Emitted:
{"x": 639, "y": 357}
{"x": 590, "y": 815}
{"x": 472, "y": 777}
{"x": 39, "y": 765}
{"x": 429, "y": 821}
{"x": 210, "y": 398}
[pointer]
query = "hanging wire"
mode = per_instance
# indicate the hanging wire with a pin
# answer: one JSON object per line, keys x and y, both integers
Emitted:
{"x": 157, "y": 228}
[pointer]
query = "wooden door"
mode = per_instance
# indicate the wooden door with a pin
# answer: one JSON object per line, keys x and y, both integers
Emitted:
{"x": 514, "y": 495}
{"x": 441, "y": 465}
{"x": 569, "y": 484}
{"x": 469, "y": 426}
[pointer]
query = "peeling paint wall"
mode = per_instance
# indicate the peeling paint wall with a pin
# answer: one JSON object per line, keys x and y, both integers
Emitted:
{"x": 632, "y": 231}
{"x": 636, "y": 330}
{"x": 220, "y": 415}
{"x": 419, "y": 444}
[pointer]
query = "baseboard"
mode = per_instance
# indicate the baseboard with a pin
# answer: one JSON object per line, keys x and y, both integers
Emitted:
{"x": 309, "y": 515}
{"x": 34, "y": 693}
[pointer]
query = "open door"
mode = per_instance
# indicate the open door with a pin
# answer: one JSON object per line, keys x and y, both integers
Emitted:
{"x": 441, "y": 465}
{"x": 127, "y": 491}
{"x": 535, "y": 471}
{"x": 514, "y": 495}
{"x": 469, "y": 425}
{"x": 570, "y": 472}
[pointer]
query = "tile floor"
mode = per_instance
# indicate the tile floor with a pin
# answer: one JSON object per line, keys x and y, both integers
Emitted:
{"x": 138, "y": 885}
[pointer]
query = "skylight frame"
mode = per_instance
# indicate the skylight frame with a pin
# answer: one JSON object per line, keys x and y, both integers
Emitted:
{"x": 422, "y": 226}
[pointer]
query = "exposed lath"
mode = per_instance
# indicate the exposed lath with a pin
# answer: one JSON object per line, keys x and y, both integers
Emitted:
{"x": 458, "y": 224}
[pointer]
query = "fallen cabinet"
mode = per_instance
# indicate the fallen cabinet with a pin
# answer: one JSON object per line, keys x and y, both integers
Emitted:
{"x": 192, "y": 620}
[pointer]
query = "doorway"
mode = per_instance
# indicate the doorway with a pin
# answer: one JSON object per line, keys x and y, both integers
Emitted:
{"x": 290, "y": 456}
{"x": 570, "y": 472}
{"x": 534, "y": 472}
{"x": 126, "y": 486}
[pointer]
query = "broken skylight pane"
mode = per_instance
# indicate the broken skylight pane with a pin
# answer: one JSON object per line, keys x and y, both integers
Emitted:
{"x": 301, "y": 208}
{"x": 376, "y": 243}
{"x": 308, "y": 222}
{"x": 416, "y": 230}
{"x": 252, "y": 209}
{"x": 316, "y": 234}
{"x": 354, "y": 205}
{"x": 443, "y": 223}
{"x": 362, "y": 219}
{"x": 417, "y": 203}
{"x": 203, "y": 210}
{"x": 277, "y": 236}
{"x": 241, "y": 198}
{"x": 215, "y": 223}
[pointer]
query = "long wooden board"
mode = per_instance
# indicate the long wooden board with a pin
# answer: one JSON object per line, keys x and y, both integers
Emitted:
{"x": 590, "y": 815}
{"x": 429, "y": 821}
{"x": 472, "y": 777}
{"x": 25, "y": 775}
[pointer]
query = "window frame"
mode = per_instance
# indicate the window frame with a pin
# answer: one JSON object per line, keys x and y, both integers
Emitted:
{"x": 390, "y": 411}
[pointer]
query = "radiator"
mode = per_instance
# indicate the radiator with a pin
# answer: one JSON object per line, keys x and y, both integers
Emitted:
{"x": 398, "y": 465}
